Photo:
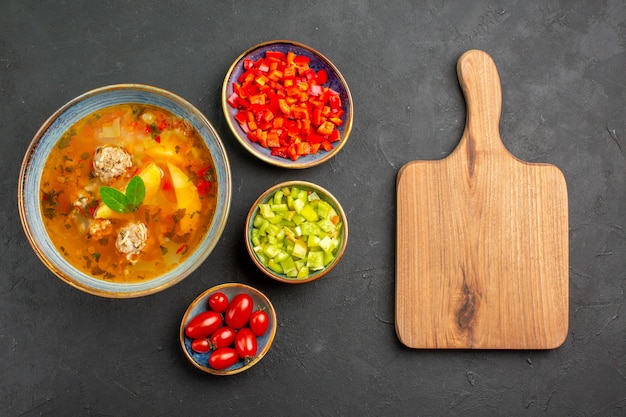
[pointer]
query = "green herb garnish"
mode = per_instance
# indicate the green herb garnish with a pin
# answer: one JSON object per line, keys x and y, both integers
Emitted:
{"x": 126, "y": 202}
{"x": 65, "y": 140}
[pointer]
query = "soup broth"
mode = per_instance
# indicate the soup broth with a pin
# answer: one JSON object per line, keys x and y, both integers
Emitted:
{"x": 107, "y": 149}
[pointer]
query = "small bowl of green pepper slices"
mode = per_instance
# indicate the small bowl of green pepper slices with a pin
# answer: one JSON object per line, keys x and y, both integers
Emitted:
{"x": 287, "y": 104}
{"x": 296, "y": 232}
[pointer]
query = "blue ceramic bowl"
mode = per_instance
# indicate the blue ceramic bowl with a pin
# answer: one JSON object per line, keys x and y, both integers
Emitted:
{"x": 324, "y": 195}
{"x": 200, "y": 304}
{"x": 48, "y": 136}
{"x": 318, "y": 61}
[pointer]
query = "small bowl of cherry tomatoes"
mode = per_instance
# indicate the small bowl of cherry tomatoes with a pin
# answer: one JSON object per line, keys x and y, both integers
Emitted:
{"x": 287, "y": 104}
{"x": 228, "y": 329}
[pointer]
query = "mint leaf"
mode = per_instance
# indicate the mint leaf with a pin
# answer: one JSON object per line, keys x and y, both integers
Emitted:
{"x": 124, "y": 202}
{"x": 114, "y": 199}
{"x": 135, "y": 193}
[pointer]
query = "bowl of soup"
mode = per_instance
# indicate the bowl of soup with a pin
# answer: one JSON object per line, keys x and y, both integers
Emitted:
{"x": 125, "y": 190}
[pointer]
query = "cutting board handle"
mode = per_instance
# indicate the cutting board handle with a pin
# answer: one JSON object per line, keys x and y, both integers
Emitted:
{"x": 480, "y": 82}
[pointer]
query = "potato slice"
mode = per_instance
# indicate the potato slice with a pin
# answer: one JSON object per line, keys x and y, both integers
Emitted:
{"x": 168, "y": 148}
{"x": 111, "y": 129}
{"x": 151, "y": 175}
{"x": 186, "y": 197}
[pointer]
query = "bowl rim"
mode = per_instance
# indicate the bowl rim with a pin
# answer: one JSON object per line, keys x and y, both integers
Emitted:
{"x": 326, "y": 195}
{"x": 249, "y": 146}
{"x": 113, "y": 292}
{"x": 272, "y": 329}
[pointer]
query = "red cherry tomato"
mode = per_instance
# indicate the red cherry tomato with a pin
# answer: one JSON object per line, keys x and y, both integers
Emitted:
{"x": 246, "y": 344}
{"x": 218, "y": 302}
{"x": 223, "y": 358}
{"x": 222, "y": 337}
{"x": 200, "y": 345}
{"x": 259, "y": 322}
{"x": 239, "y": 310}
{"x": 203, "y": 325}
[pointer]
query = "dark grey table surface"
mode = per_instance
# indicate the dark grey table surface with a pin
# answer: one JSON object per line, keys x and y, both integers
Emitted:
{"x": 562, "y": 66}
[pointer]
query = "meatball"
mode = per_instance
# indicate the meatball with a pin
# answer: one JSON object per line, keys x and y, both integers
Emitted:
{"x": 131, "y": 239}
{"x": 100, "y": 228}
{"x": 110, "y": 162}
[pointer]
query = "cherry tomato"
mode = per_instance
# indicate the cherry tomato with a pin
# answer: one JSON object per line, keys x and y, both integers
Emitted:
{"x": 223, "y": 358}
{"x": 245, "y": 344}
{"x": 239, "y": 310}
{"x": 200, "y": 345}
{"x": 222, "y": 337}
{"x": 203, "y": 325}
{"x": 218, "y": 302}
{"x": 259, "y": 322}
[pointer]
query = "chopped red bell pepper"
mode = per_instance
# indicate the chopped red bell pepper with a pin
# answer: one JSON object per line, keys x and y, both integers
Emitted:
{"x": 275, "y": 55}
{"x": 322, "y": 77}
{"x": 287, "y": 106}
{"x": 233, "y": 99}
{"x": 203, "y": 187}
{"x": 326, "y": 128}
{"x": 241, "y": 116}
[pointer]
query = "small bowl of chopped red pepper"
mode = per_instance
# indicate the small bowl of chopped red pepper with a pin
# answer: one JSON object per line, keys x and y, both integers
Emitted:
{"x": 287, "y": 104}
{"x": 296, "y": 232}
{"x": 228, "y": 329}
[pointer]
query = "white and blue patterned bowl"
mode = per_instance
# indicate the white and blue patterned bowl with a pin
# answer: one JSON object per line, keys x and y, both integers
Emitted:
{"x": 200, "y": 304}
{"x": 318, "y": 61}
{"x": 49, "y": 134}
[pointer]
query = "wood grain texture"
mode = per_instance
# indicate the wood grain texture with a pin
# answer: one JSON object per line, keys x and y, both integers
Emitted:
{"x": 482, "y": 237}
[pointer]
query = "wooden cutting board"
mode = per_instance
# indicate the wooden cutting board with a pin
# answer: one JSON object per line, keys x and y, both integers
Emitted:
{"x": 482, "y": 237}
